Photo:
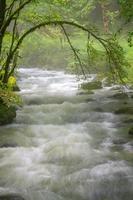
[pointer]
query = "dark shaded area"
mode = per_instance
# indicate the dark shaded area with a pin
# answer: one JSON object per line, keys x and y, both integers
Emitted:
{"x": 7, "y": 114}
{"x": 11, "y": 197}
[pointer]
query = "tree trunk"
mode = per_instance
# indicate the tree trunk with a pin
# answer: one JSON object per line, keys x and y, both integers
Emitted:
{"x": 2, "y": 17}
{"x": 105, "y": 17}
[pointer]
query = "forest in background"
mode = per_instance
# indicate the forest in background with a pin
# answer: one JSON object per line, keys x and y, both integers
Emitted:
{"x": 107, "y": 18}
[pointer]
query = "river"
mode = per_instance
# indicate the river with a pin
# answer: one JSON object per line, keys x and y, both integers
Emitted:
{"x": 64, "y": 144}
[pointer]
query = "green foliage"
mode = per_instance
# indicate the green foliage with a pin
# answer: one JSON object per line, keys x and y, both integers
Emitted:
{"x": 49, "y": 52}
{"x": 117, "y": 59}
{"x": 130, "y": 38}
{"x": 9, "y": 98}
{"x": 7, "y": 114}
{"x": 43, "y": 48}
{"x": 11, "y": 82}
{"x": 96, "y": 54}
{"x": 126, "y": 7}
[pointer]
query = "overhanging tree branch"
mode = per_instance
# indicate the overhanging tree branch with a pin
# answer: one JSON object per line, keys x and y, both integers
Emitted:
{"x": 74, "y": 51}
{"x": 60, "y": 23}
{"x": 104, "y": 42}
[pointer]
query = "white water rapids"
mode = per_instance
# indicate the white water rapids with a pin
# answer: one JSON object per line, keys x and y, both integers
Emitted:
{"x": 64, "y": 145}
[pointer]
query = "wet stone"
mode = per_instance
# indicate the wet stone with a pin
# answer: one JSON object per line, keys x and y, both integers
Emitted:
{"x": 85, "y": 93}
{"x": 98, "y": 109}
{"x": 119, "y": 142}
{"x": 128, "y": 121}
{"x": 16, "y": 88}
{"x": 119, "y": 96}
{"x": 89, "y": 99}
{"x": 11, "y": 197}
{"x": 130, "y": 132}
{"x": 8, "y": 145}
{"x": 124, "y": 110}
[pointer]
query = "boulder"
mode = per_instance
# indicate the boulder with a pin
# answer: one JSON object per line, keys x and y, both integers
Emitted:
{"x": 7, "y": 114}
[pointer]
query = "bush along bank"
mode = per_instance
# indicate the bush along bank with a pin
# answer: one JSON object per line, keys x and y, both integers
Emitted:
{"x": 9, "y": 100}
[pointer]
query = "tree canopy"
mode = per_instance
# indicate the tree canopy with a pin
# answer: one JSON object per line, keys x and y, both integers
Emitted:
{"x": 20, "y": 18}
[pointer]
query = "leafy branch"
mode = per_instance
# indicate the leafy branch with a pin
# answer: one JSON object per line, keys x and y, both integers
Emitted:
{"x": 113, "y": 50}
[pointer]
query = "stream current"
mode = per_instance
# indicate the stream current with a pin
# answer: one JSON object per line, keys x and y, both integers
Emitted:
{"x": 64, "y": 144}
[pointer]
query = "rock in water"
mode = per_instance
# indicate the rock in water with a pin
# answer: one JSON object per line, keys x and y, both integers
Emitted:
{"x": 125, "y": 110}
{"x": 7, "y": 114}
{"x": 8, "y": 145}
{"x": 130, "y": 132}
{"x": 94, "y": 85}
{"x": 120, "y": 95}
{"x": 11, "y": 197}
{"x": 16, "y": 88}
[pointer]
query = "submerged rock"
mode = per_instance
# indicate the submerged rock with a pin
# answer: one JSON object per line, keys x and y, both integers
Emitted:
{"x": 85, "y": 92}
{"x": 8, "y": 145}
{"x": 124, "y": 110}
{"x": 130, "y": 132}
{"x": 11, "y": 197}
{"x": 7, "y": 114}
{"x": 129, "y": 120}
{"x": 119, "y": 95}
{"x": 98, "y": 109}
{"x": 119, "y": 141}
{"x": 89, "y": 100}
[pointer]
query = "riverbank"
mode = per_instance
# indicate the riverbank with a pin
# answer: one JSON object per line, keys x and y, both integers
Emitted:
{"x": 9, "y": 101}
{"x": 7, "y": 114}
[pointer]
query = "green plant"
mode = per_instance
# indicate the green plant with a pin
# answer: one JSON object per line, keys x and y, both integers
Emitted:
{"x": 9, "y": 98}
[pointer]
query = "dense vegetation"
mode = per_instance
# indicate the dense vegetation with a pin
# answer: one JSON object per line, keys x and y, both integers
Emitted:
{"x": 33, "y": 31}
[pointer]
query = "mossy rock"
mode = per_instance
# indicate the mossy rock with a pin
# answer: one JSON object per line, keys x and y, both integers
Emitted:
{"x": 7, "y": 114}
{"x": 125, "y": 110}
{"x": 16, "y": 88}
{"x": 94, "y": 85}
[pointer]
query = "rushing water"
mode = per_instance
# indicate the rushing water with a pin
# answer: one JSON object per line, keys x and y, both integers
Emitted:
{"x": 64, "y": 145}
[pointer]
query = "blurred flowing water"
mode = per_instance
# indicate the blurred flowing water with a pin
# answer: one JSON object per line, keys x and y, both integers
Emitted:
{"x": 66, "y": 145}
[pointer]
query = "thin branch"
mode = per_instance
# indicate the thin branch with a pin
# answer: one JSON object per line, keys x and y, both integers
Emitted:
{"x": 58, "y": 23}
{"x": 74, "y": 51}
{"x": 11, "y": 17}
{"x": 9, "y": 8}
{"x": 10, "y": 57}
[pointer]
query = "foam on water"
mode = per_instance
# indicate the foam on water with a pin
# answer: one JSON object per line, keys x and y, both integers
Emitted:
{"x": 60, "y": 146}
